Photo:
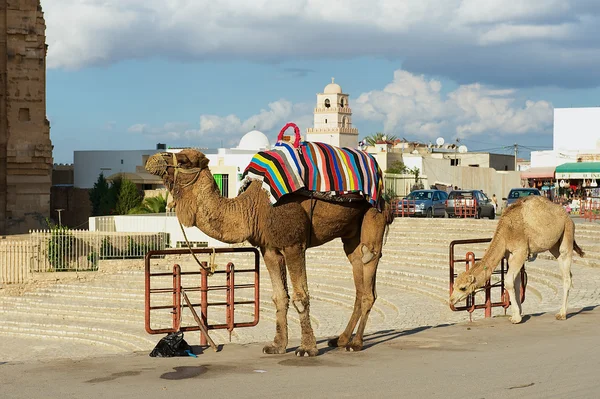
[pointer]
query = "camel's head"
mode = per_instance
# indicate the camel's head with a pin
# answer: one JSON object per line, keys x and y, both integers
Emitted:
{"x": 177, "y": 167}
{"x": 464, "y": 285}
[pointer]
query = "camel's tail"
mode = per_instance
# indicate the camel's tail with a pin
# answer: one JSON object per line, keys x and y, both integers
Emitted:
{"x": 578, "y": 249}
{"x": 388, "y": 212}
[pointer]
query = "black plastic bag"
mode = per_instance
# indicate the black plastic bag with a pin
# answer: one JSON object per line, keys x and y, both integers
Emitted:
{"x": 172, "y": 345}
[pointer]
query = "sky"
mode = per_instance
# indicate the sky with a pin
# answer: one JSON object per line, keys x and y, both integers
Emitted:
{"x": 128, "y": 74}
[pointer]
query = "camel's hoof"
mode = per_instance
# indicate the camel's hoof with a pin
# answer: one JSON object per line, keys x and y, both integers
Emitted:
{"x": 336, "y": 343}
{"x": 515, "y": 320}
{"x": 560, "y": 316}
{"x": 273, "y": 350}
{"x": 300, "y": 352}
{"x": 352, "y": 347}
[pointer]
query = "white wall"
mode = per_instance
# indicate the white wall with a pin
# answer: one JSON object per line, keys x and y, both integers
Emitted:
{"x": 412, "y": 161}
{"x": 89, "y": 164}
{"x": 541, "y": 159}
{"x": 488, "y": 180}
{"x": 152, "y": 224}
{"x": 577, "y": 128}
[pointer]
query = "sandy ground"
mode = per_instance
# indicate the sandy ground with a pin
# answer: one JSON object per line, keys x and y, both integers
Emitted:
{"x": 540, "y": 358}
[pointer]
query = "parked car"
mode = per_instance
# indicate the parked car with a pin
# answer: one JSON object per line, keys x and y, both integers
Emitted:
{"x": 428, "y": 203}
{"x": 517, "y": 193}
{"x": 485, "y": 208}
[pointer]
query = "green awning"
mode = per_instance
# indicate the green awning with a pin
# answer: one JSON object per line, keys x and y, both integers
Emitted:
{"x": 578, "y": 170}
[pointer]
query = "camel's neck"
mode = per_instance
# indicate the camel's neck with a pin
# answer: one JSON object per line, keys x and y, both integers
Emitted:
{"x": 224, "y": 219}
{"x": 491, "y": 259}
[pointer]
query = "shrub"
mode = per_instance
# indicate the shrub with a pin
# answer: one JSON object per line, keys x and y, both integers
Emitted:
{"x": 60, "y": 247}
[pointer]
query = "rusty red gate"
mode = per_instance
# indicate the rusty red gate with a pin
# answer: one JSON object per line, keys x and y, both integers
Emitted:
{"x": 465, "y": 207}
{"x": 590, "y": 209}
{"x": 203, "y": 288}
{"x": 403, "y": 207}
{"x": 469, "y": 260}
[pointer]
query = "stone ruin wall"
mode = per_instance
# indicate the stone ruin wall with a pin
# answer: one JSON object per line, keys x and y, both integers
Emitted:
{"x": 25, "y": 146}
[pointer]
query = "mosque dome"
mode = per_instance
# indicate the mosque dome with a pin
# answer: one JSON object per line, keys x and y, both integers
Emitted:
{"x": 254, "y": 140}
{"x": 332, "y": 88}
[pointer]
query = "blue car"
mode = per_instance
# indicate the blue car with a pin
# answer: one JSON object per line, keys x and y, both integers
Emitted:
{"x": 428, "y": 203}
{"x": 517, "y": 193}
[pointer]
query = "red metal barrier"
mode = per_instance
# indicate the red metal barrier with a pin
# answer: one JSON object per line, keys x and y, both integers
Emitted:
{"x": 488, "y": 304}
{"x": 230, "y": 289}
{"x": 404, "y": 207}
{"x": 590, "y": 209}
{"x": 465, "y": 207}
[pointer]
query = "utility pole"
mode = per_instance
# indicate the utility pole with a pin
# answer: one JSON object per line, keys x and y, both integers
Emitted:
{"x": 516, "y": 153}
{"x": 456, "y": 162}
{"x": 59, "y": 219}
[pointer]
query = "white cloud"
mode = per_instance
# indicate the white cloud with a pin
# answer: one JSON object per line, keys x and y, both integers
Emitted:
{"x": 411, "y": 105}
{"x": 215, "y": 130}
{"x": 473, "y": 36}
{"x": 415, "y": 106}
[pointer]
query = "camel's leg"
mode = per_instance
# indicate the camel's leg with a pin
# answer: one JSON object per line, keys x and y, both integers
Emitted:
{"x": 296, "y": 263}
{"x": 371, "y": 243}
{"x": 351, "y": 247}
{"x": 513, "y": 283}
{"x": 276, "y": 266}
{"x": 563, "y": 252}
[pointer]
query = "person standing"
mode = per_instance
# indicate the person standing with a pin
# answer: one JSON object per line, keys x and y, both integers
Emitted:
{"x": 495, "y": 203}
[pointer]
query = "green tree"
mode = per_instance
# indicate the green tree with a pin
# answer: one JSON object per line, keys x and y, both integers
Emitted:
{"x": 115, "y": 190}
{"x": 156, "y": 204}
{"x": 380, "y": 138}
{"x": 128, "y": 198}
{"x": 101, "y": 197}
{"x": 397, "y": 167}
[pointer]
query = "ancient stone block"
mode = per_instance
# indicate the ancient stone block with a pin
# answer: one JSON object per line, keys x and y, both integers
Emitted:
{"x": 25, "y": 146}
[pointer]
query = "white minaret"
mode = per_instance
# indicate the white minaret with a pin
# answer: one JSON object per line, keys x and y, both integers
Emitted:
{"x": 333, "y": 119}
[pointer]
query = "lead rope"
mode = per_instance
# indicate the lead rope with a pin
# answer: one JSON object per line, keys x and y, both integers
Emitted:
{"x": 211, "y": 266}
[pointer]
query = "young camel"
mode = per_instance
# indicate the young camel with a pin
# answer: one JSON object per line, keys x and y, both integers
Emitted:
{"x": 283, "y": 233}
{"x": 530, "y": 226}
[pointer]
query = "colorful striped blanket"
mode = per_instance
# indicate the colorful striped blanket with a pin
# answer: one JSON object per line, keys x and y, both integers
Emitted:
{"x": 316, "y": 167}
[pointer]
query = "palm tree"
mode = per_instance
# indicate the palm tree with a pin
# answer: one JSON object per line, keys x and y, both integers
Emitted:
{"x": 380, "y": 138}
{"x": 156, "y": 204}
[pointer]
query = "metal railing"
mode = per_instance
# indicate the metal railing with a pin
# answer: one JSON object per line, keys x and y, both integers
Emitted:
{"x": 15, "y": 261}
{"x": 403, "y": 207}
{"x": 590, "y": 208}
{"x": 495, "y": 287}
{"x": 227, "y": 286}
{"x": 80, "y": 250}
{"x": 71, "y": 250}
{"x": 465, "y": 208}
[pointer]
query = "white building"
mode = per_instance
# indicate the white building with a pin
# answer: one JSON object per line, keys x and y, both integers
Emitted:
{"x": 88, "y": 165}
{"x": 576, "y": 138}
{"x": 333, "y": 119}
{"x": 226, "y": 164}
{"x": 576, "y": 129}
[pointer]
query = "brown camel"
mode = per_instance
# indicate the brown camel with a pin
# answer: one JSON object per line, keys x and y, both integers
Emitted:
{"x": 529, "y": 226}
{"x": 283, "y": 232}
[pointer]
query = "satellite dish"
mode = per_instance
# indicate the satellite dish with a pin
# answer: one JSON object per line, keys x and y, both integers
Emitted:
{"x": 440, "y": 141}
{"x": 462, "y": 149}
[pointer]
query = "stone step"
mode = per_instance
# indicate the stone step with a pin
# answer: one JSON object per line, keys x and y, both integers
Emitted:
{"x": 115, "y": 337}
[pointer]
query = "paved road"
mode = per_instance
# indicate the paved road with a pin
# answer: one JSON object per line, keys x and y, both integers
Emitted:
{"x": 540, "y": 358}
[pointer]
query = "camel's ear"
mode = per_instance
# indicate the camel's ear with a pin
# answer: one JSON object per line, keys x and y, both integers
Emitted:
{"x": 203, "y": 163}
{"x": 192, "y": 159}
{"x": 471, "y": 279}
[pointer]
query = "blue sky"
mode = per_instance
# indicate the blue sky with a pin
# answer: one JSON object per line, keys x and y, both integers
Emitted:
{"x": 128, "y": 74}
